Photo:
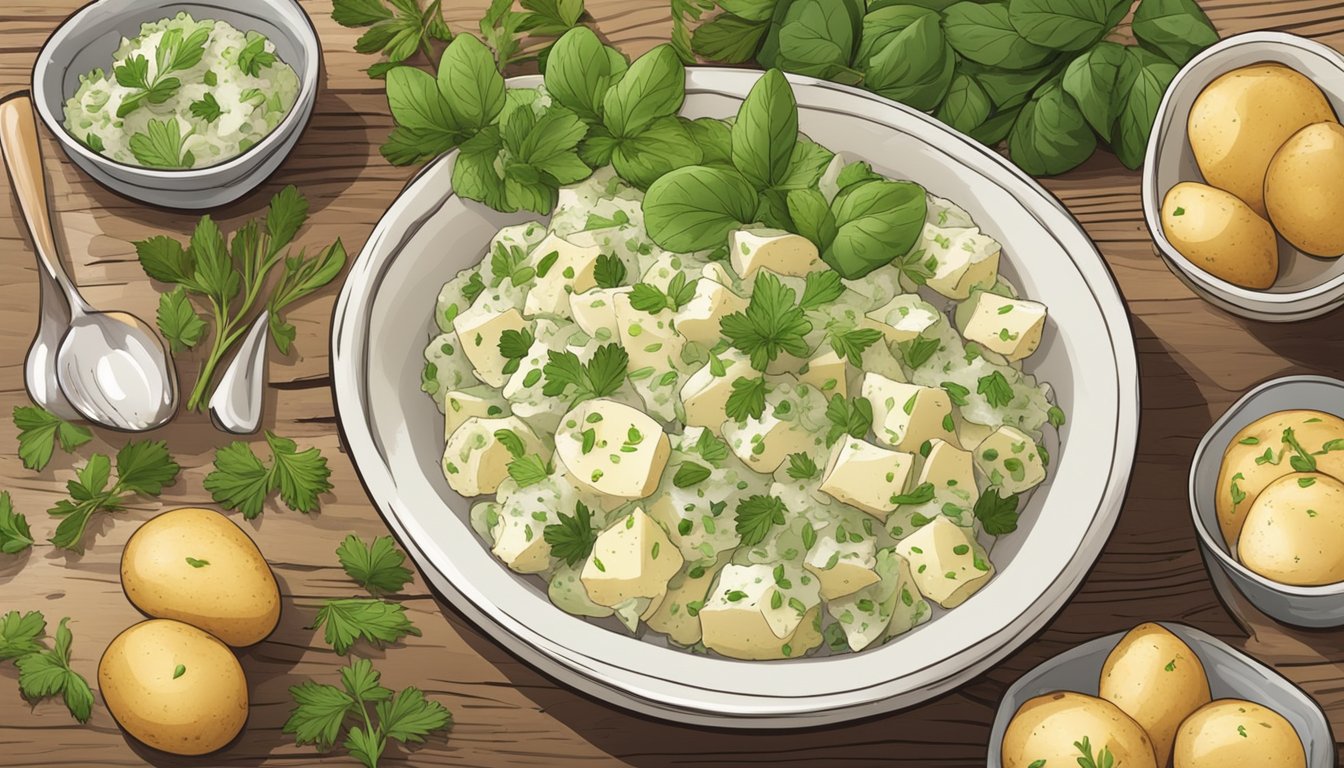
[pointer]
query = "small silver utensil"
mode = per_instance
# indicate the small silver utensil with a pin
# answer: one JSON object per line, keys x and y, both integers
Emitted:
{"x": 236, "y": 405}
{"x": 110, "y": 366}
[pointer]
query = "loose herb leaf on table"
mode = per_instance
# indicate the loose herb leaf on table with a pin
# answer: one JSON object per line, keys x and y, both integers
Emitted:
{"x": 378, "y": 566}
{"x": 39, "y": 433}
{"x": 44, "y": 673}
{"x": 242, "y": 482}
{"x": 15, "y": 536}
{"x": 143, "y": 469}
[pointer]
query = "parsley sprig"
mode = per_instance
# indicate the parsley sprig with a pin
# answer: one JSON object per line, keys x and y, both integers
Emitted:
{"x": 851, "y": 344}
{"x": 771, "y": 325}
{"x": 44, "y": 673}
{"x": 747, "y": 399}
{"x": 998, "y": 514}
{"x": 377, "y": 565}
{"x": 396, "y": 30}
{"x": 143, "y": 469}
{"x": 15, "y": 536}
{"x": 242, "y": 482}
{"x": 600, "y": 377}
{"x": 756, "y": 515}
{"x": 230, "y": 276}
{"x": 851, "y": 416}
{"x": 39, "y": 433}
{"x": 174, "y": 53}
{"x": 572, "y": 538}
{"x": 647, "y": 297}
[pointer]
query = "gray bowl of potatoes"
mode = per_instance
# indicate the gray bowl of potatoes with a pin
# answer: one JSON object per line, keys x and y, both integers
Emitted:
{"x": 1163, "y": 693}
{"x": 1268, "y": 502}
{"x": 1243, "y": 185}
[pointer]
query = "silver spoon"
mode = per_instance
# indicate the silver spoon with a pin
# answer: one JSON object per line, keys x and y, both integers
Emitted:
{"x": 110, "y": 366}
{"x": 236, "y": 404}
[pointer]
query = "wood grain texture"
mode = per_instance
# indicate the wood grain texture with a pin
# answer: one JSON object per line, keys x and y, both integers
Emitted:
{"x": 1195, "y": 361}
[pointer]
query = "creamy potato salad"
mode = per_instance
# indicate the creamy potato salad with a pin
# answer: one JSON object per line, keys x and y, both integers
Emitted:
{"x": 600, "y": 401}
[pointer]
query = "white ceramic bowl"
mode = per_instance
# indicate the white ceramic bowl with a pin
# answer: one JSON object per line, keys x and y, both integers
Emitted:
{"x": 1307, "y": 286}
{"x": 88, "y": 39}
{"x": 1320, "y": 606}
{"x": 1232, "y": 675}
{"x": 393, "y": 433}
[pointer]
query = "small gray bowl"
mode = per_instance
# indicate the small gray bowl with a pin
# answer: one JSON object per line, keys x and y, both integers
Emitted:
{"x": 1311, "y": 607}
{"x": 89, "y": 38}
{"x": 1307, "y": 287}
{"x": 1232, "y": 675}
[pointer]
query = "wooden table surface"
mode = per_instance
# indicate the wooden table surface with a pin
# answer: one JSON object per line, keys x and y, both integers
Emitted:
{"x": 1194, "y": 359}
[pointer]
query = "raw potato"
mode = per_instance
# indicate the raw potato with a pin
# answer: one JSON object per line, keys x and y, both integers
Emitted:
{"x": 1046, "y": 728}
{"x": 1242, "y": 118}
{"x": 1221, "y": 235}
{"x": 1155, "y": 678}
{"x": 174, "y": 687}
{"x": 1294, "y": 533}
{"x": 1304, "y": 190}
{"x": 1312, "y": 429}
{"x": 197, "y": 566}
{"x": 1230, "y": 733}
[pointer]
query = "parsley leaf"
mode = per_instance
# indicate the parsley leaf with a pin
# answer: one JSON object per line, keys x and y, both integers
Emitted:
{"x": 1055, "y": 416}
{"x": 609, "y": 271}
{"x": 600, "y": 377}
{"x": 756, "y": 515}
{"x": 15, "y": 536}
{"x": 690, "y": 473}
{"x": 770, "y": 326}
{"x": 162, "y": 145}
{"x": 572, "y": 538}
{"x": 206, "y": 108}
{"x": 346, "y": 620}
{"x": 321, "y": 711}
{"x": 821, "y": 288}
{"x": 174, "y": 53}
{"x": 920, "y": 494}
{"x": 851, "y": 344}
{"x": 647, "y": 297}
{"x": 254, "y": 57}
{"x": 44, "y": 673}
{"x": 178, "y": 321}
{"x": 711, "y": 448}
{"x": 918, "y": 351}
{"x": 848, "y": 416}
{"x": 998, "y": 514}
{"x": 397, "y": 32}
{"x": 747, "y": 399}
{"x": 143, "y": 468}
{"x": 528, "y": 470}
{"x": 21, "y": 634}
{"x": 240, "y": 481}
{"x": 40, "y": 431}
{"x": 996, "y": 389}
{"x": 377, "y": 566}
{"x": 955, "y": 392}
{"x": 802, "y": 467}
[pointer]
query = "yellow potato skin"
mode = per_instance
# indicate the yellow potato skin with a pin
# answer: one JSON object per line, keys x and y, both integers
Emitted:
{"x": 1313, "y": 430}
{"x": 233, "y": 596}
{"x": 1242, "y": 118}
{"x": 1221, "y": 235}
{"x": 1230, "y": 733}
{"x": 1295, "y": 534}
{"x": 1156, "y": 679}
{"x": 1304, "y": 190}
{"x": 1046, "y": 727}
{"x": 198, "y": 712}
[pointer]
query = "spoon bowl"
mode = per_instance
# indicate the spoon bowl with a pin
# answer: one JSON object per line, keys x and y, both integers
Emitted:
{"x": 113, "y": 370}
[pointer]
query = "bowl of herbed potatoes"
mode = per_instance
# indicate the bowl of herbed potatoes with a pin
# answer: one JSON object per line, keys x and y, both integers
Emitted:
{"x": 1159, "y": 695}
{"x": 1267, "y": 498}
{"x": 1243, "y": 186}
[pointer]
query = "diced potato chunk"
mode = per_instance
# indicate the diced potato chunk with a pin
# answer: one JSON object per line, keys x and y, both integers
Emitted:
{"x": 945, "y": 562}
{"x": 567, "y": 592}
{"x": 524, "y": 513}
{"x": 562, "y": 268}
{"x": 631, "y": 559}
{"x": 651, "y": 340}
{"x": 678, "y": 613}
{"x": 699, "y": 319}
{"x": 612, "y": 449}
{"x": 1011, "y": 460}
{"x": 904, "y": 318}
{"x": 828, "y": 373}
{"x": 780, "y": 252}
{"x": 843, "y": 558}
{"x": 476, "y": 461}
{"x": 1010, "y": 327}
{"x": 594, "y": 311}
{"x": 885, "y": 609}
{"x": 866, "y": 476}
{"x": 905, "y": 415}
{"x": 734, "y": 617}
{"x": 966, "y": 260}
{"x": 705, "y": 395}
{"x": 478, "y": 332}
{"x": 462, "y": 404}
{"x": 766, "y": 442}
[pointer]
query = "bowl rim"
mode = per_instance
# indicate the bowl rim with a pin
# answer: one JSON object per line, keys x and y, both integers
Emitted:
{"x": 298, "y": 115}
{"x": 1186, "y": 633}
{"x": 629, "y": 687}
{"x": 1316, "y": 295}
{"x": 1213, "y": 541}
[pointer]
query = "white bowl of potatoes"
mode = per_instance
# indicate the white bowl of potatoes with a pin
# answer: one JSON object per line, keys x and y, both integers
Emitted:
{"x": 1244, "y": 180}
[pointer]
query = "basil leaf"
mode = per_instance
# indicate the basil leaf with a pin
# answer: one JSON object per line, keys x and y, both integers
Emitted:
{"x": 472, "y": 88}
{"x": 663, "y": 146}
{"x": 1143, "y": 81}
{"x": 693, "y": 209}
{"x": 1177, "y": 29}
{"x": 1093, "y": 80}
{"x": 581, "y": 71}
{"x": 1008, "y": 88}
{"x": 653, "y": 87}
{"x": 812, "y": 217}
{"x": 876, "y": 222}
{"x": 1064, "y": 25}
{"x": 765, "y": 131}
{"x": 751, "y": 10}
{"x": 715, "y": 140}
{"x": 983, "y": 34}
{"x": 807, "y": 164}
{"x": 417, "y": 106}
{"x": 474, "y": 174}
{"x": 812, "y": 37}
{"x": 1051, "y": 135}
{"x": 916, "y": 67}
{"x": 967, "y": 106}
{"x": 996, "y": 129}
{"x": 882, "y": 26}
{"x": 729, "y": 39}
